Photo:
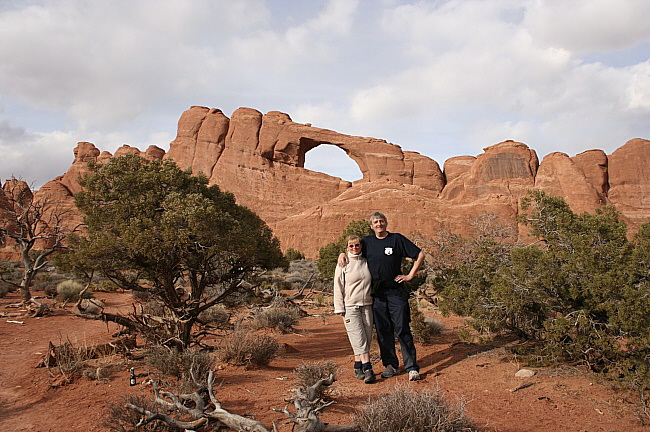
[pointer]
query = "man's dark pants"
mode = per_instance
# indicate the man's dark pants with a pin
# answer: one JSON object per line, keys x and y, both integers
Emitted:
{"x": 392, "y": 316}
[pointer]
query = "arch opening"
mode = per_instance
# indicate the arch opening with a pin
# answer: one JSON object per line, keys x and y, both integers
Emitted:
{"x": 332, "y": 160}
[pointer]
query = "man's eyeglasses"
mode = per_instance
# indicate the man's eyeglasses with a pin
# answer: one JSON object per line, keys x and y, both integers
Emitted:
{"x": 354, "y": 245}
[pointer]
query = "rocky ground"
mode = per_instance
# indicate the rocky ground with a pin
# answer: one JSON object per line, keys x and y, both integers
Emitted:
{"x": 482, "y": 378}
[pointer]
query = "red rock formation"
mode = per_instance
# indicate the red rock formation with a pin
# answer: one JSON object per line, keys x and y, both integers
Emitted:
{"x": 260, "y": 159}
{"x": 629, "y": 181}
{"x": 559, "y": 175}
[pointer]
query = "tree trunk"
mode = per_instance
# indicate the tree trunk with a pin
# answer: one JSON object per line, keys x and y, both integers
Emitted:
{"x": 28, "y": 277}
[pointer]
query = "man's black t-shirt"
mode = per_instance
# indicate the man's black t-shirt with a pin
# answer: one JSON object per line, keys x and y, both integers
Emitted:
{"x": 385, "y": 255}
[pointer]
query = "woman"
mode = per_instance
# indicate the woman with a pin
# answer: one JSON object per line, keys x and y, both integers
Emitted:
{"x": 353, "y": 302}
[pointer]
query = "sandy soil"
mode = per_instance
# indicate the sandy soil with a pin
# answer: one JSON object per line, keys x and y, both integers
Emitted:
{"x": 558, "y": 399}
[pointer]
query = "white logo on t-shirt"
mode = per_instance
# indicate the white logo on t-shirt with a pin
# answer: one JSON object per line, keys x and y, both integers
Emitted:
{"x": 388, "y": 251}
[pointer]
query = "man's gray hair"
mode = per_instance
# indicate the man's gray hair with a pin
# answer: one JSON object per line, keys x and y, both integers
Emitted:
{"x": 378, "y": 215}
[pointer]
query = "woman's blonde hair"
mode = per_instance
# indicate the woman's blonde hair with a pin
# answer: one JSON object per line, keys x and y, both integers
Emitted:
{"x": 352, "y": 237}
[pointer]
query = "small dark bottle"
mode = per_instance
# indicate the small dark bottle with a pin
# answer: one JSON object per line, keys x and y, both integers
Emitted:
{"x": 132, "y": 380}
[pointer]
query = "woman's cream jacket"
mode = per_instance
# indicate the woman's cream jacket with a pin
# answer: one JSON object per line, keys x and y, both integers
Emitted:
{"x": 352, "y": 284}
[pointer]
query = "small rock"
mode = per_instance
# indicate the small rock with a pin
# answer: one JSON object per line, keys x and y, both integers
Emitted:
{"x": 524, "y": 373}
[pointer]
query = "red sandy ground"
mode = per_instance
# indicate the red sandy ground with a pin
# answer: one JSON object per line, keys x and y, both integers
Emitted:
{"x": 558, "y": 400}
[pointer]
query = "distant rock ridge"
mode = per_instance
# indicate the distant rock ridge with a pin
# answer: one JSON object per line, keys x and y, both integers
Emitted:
{"x": 260, "y": 159}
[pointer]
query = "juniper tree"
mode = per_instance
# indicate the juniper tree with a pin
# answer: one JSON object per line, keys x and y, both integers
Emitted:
{"x": 153, "y": 228}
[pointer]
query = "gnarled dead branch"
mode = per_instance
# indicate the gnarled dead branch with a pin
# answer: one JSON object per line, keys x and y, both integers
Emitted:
{"x": 208, "y": 410}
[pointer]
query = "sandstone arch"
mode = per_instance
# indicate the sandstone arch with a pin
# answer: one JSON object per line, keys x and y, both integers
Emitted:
{"x": 332, "y": 160}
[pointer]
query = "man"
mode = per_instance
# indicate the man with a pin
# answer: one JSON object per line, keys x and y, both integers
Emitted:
{"x": 392, "y": 315}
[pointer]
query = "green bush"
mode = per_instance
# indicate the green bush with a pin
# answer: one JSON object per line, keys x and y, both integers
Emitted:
{"x": 582, "y": 292}
{"x": 405, "y": 410}
{"x": 294, "y": 255}
{"x": 69, "y": 290}
{"x": 244, "y": 348}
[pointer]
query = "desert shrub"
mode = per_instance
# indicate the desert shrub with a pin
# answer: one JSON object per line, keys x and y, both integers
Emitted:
{"x": 423, "y": 329}
{"x": 187, "y": 366}
{"x": 308, "y": 374}
{"x": 279, "y": 317}
{"x": 119, "y": 418}
{"x": 294, "y": 255}
{"x": 69, "y": 290}
{"x": 245, "y": 348}
{"x": 581, "y": 293}
{"x": 406, "y": 411}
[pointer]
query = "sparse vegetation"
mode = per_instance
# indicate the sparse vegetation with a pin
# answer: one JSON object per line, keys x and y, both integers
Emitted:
{"x": 246, "y": 348}
{"x": 405, "y": 410}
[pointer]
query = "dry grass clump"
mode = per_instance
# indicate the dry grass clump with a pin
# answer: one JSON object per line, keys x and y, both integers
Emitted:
{"x": 308, "y": 374}
{"x": 245, "y": 348}
{"x": 69, "y": 290}
{"x": 68, "y": 361}
{"x": 277, "y": 316}
{"x": 408, "y": 411}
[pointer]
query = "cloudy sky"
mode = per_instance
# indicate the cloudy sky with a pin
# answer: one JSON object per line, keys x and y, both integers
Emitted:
{"x": 443, "y": 78}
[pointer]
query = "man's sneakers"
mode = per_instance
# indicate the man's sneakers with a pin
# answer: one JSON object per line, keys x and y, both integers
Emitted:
{"x": 369, "y": 376}
{"x": 359, "y": 373}
{"x": 389, "y": 372}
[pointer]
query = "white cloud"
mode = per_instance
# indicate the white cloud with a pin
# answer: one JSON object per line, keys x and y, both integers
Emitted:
{"x": 638, "y": 90}
{"x": 439, "y": 77}
{"x": 589, "y": 25}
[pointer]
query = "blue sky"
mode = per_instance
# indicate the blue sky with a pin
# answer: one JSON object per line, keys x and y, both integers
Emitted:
{"x": 443, "y": 78}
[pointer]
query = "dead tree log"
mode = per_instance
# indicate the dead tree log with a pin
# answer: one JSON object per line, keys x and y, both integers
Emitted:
{"x": 201, "y": 410}
{"x": 308, "y": 405}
